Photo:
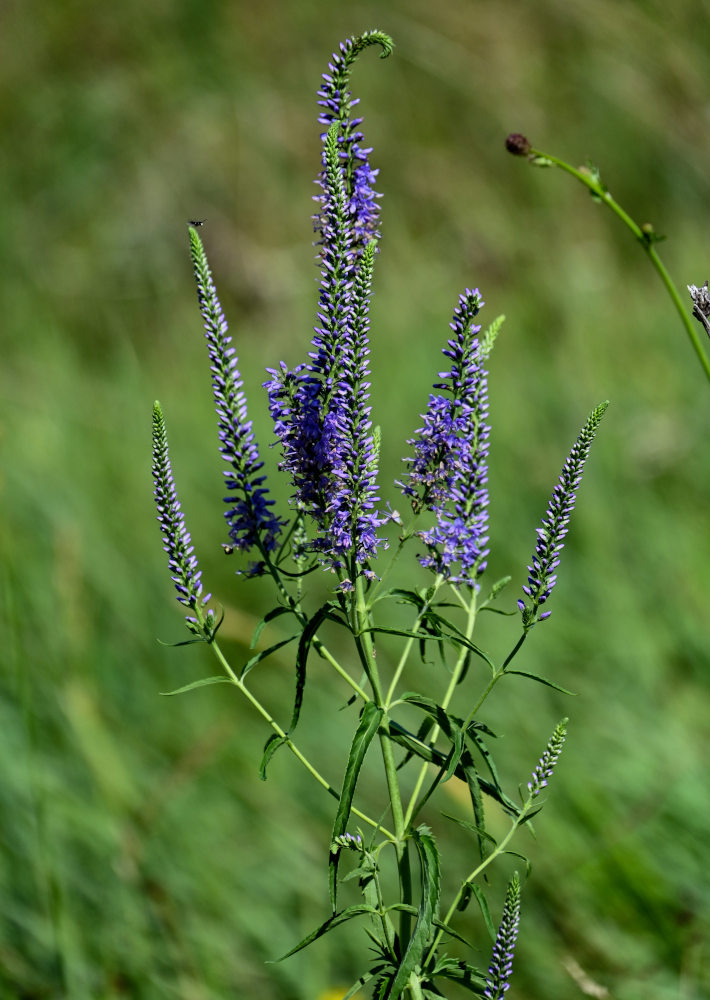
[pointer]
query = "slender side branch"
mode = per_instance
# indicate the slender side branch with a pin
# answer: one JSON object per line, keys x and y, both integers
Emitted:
{"x": 519, "y": 145}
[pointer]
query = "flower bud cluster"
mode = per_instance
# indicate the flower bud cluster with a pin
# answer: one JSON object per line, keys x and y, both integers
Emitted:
{"x": 501, "y": 967}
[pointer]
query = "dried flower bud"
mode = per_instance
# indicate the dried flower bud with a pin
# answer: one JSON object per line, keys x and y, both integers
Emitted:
{"x": 518, "y": 144}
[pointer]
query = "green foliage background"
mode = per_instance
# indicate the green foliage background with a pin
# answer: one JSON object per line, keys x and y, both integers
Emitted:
{"x": 141, "y": 856}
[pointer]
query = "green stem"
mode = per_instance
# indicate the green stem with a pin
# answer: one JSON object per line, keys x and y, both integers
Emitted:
{"x": 499, "y": 849}
{"x": 403, "y": 539}
{"x": 414, "y": 803}
{"x": 266, "y": 715}
{"x": 415, "y": 987}
{"x": 303, "y": 619}
{"x": 495, "y": 678}
{"x": 597, "y": 188}
{"x": 364, "y": 643}
{"x": 410, "y": 642}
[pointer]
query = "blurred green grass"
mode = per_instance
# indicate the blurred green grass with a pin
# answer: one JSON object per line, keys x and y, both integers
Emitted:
{"x": 141, "y": 855}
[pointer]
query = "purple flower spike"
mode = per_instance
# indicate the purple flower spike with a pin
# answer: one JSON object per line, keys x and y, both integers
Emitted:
{"x": 550, "y": 537}
{"x": 176, "y": 538}
{"x": 251, "y": 523}
{"x": 353, "y": 520}
{"x": 320, "y": 409}
{"x": 449, "y": 473}
{"x": 336, "y": 102}
{"x": 501, "y": 967}
{"x": 546, "y": 764}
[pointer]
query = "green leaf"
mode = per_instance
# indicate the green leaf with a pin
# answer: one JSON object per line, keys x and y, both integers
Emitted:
{"x": 470, "y": 828}
{"x": 425, "y": 728}
{"x": 489, "y": 337}
{"x": 304, "y": 645}
{"x": 264, "y": 654}
{"x": 542, "y": 680}
{"x": 426, "y": 752}
{"x": 270, "y": 747}
{"x": 328, "y": 925}
{"x": 528, "y": 862}
{"x": 204, "y": 682}
{"x": 474, "y": 790}
{"x": 450, "y": 725}
{"x": 269, "y": 617}
{"x": 461, "y": 640}
{"x": 485, "y": 912}
{"x": 467, "y": 976}
{"x": 464, "y": 898}
{"x": 407, "y": 597}
{"x": 356, "y": 987}
{"x": 474, "y": 738}
{"x": 369, "y": 724}
{"x": 439, "y": 924}
{"x": 428, "y": 910}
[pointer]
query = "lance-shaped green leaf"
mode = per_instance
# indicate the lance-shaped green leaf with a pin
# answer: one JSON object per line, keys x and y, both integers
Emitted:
{"x": 203, "y": 682}
{"x": 475, "y": 740}
{"x": 485, "y": 910}
{"x": 428, "y": 910}
{"x": 304, "y": 645}
{"x": 270, "y": 747}
{"x": 328, "y": 925}
{"x": 265, "y": 654}
{"x": 542, "y": 680}
{"x": 369, "y": 724}
{"x": 467, "y": 976}
{"x": 425, "y": 751}
{"x": 270, "y": 616}
{"x": 450, "y": 725}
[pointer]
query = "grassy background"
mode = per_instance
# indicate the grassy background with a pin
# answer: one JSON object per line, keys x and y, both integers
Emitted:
{"x": 141, "y": 856}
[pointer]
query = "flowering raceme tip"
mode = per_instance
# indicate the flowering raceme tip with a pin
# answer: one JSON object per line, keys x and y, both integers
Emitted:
{"x": 550, "y": 537}
{"x": 546, "y": 765}
{"x": 336, "y": 102}
{"x": 182, "y": 561}
{"x": 251, "y": 523}
{"x": 320, "y": 409}
{"x": 501, "y": 967}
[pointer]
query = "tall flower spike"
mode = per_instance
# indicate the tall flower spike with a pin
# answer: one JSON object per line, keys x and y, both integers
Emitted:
{"x": 251, "y": 523}
{"x": 176, "y": 539}
{"x": 336, "y": 102}
{"x": 501, "y": 967}
{"x": 353, "y": 520}
{"x": 300, "y": 400}
{"x": 319, "y": 410}
{"x": 546, "y": 764}
{"x": 550, "y": 537}
{"x": 449, "y": 473}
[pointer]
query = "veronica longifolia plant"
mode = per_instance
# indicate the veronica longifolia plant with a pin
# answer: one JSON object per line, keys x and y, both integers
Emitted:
{"x": 337, "y": 521}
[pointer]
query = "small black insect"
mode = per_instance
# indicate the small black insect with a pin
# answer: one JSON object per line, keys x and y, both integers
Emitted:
{"x": 228, "y": 549}
{"x": 196, "y": 222}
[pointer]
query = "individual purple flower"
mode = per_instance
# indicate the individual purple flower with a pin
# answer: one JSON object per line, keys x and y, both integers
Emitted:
{"x": 501, "y": 967}
{"x": 336, "y": 103}
{"x": 176, "y": 538}
{"x": 550, "y": 537}
{"x": 251, "y": 522}
{"x": 448, "y": 473}
{"x": 546, "y": 764}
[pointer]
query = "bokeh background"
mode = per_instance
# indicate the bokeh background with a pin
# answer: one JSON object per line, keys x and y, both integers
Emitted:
{"x": 141, "y": 854}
